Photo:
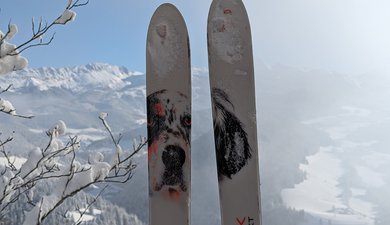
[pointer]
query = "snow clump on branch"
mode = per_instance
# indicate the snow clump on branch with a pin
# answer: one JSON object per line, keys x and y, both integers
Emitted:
{"x": 10, "y": 59}
{"x": 10, "y": 54}
{"x": 67, "y": 15}
{"x": 58, "y": 129}
{"x": 7, "y": 107}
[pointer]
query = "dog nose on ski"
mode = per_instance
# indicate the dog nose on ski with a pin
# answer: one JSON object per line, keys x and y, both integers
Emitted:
{"x": 173, "y": 158}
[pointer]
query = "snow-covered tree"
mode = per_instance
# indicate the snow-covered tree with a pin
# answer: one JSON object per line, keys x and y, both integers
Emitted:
{"x": 57, "y": 162}
{"x": 11, "y": 58}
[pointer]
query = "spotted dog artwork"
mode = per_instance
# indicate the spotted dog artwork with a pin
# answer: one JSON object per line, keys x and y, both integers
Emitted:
{"x": 169, "y": 132}
{"x": 231, "y": 142}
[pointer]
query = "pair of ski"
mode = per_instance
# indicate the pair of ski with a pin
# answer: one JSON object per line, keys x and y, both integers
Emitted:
{"x": 169, "y": 115}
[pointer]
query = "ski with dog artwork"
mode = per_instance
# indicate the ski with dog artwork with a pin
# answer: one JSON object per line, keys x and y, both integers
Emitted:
{"x": 234, "y": 112}
{"x": 168, "y": 90}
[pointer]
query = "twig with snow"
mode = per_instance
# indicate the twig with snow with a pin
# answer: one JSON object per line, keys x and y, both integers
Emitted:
{"x": 84, "y": 210}
{"x": 10, "y": 54}
{"x": 7, "y": 107}
{"x": 11, "y": 163}
{"x": 58, "y": 162}
{"x": 122, "y": 166}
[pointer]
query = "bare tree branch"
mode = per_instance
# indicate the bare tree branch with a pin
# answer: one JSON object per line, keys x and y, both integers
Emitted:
{"x": 39, "y": 30}
{"x": 12, "y": 112}
{"x": 77, "y": 4}
{"x": 6, "y": 89}
{"x": 33, "y": 45}
{"x": 6, "y": 107}
{"x": 89, "y": 204}
{"x": 70, "y": 171}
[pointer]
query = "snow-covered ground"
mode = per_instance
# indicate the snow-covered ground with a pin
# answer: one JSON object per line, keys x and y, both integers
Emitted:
{"x": 323, "y": 194}
{"x": 83, "y": 215}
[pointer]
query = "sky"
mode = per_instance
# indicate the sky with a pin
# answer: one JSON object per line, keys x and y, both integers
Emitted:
{"x": 345, "y": 36}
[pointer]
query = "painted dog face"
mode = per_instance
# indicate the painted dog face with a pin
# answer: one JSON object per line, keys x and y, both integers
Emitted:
{"x": 169, "y": 131}
{"x": 231, "y": 142}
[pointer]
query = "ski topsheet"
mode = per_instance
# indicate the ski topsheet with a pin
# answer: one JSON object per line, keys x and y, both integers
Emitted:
{"x": 168, "y": 87}
{"x": 234, "y": 112}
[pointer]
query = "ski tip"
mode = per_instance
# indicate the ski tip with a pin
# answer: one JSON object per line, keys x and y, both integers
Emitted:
{"x": 229, "y": 33}
{"x": 166, "y": 15}
{"x": 167, "y": 10}
{"x": 168, "y": 6}
{"x": 227, "y": 8}
{"x": 167, "y": 44}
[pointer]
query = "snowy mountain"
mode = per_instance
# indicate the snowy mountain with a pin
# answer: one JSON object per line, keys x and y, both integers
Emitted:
{"x": 309, "y": 121}
{"x": 76, "y": 79}
{"x": 76, "y": 95}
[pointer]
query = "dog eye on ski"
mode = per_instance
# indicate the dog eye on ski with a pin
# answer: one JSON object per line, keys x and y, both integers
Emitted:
{"x": 169, "y": 130}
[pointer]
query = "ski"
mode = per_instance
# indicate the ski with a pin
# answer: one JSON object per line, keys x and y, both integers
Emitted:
{"x": 234, "y": 112}
{"x": 168, "y": 89}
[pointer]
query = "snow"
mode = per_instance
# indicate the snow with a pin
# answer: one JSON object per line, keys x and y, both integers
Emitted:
{"x": 32, "y": 160}
{"x": 17, "y": 161}
{"x": 229, "y": 45}
{"x": 95, "y": 158}
{"x": 199, "y": 71}
{"x": 58, "y": 129}
{"x": 69, "y": 3}
{"x": 370, "y": 177}
{"x": 10, "y": 60}
{"x": 13, "y": 29}
{"x": 165, "y": 42}
{"x": 12, "y": 63}
{"x": 6, "y": 49}
{"x": 103, "y": 115}
{"x": 97, "y": 76}
{"x": 6, "y": 106}
{"x": 31, "y": 215}
{"x": 67, "y": 15}
{"x": 88, "y": 134}
{"x": 83, "y": 175}
{"x": 89, "y": 214}
{"x": 304, "y": 196}
{"x": 141, "y": 121}
{"x": 76, "y": 216}
{"x": 45, "y": 79}
{"x": 320, "y": 195}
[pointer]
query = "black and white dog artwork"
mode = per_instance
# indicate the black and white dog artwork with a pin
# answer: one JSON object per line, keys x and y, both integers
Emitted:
{"x": 169, "y": 132}
{"x": 231, "y": 142}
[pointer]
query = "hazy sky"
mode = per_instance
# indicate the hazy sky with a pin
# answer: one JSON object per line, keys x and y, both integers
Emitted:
{"x": 349, "y": 36}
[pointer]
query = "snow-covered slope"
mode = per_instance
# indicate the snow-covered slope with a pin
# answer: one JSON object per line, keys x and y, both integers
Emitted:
{"x": 75, "y": 79}
{"x": 76, "y": 95}
{"x": 299, "y": 113}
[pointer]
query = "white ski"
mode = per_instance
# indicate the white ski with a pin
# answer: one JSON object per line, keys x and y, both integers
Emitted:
{"x": 234, "y": 112}
{"x": 169, "y": 117}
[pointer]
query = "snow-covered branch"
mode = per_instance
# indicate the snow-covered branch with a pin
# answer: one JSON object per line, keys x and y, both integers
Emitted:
{"x": 58, "y": 161}
{"x": 84, "y": 210}
{"x": 7, "y": 107}
{"x": 10, "y": 54}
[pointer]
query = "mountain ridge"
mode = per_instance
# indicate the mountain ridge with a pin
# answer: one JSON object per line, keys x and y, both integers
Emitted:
{"x": 75, "y": 79}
